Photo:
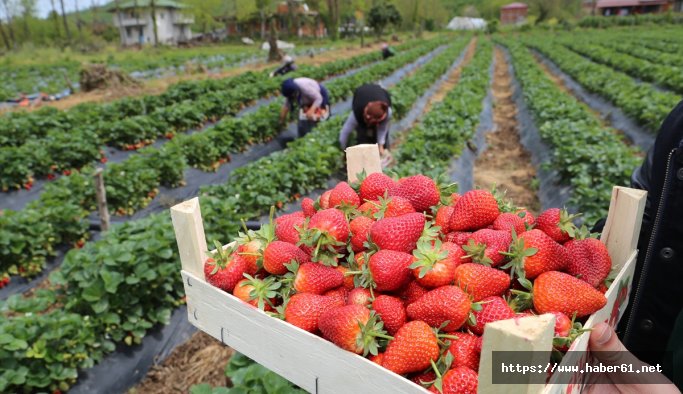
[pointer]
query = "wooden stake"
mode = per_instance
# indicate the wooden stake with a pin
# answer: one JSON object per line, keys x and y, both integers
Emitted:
{"x": 101, "y": 197}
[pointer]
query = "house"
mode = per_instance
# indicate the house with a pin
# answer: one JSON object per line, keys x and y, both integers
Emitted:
{"x": 631, "y": 7}
{"x": 293, "y": 18}
{"x": 135, "y": 23}
{"x": 513, "y": 14}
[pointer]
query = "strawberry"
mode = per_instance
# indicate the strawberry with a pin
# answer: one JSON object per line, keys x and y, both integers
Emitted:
{"x": 566, "y": 331}
{"x": 443, "y": 218}
{"x": 458, "y": 237}
{"x": 424, "y": 379}
{"x": 304, "y": 309}
{"x": 359, "y": 296}
{"x": 223, "y": 270}
{"x": 376, "y": 185}
{"x": 316, "y": 278}
{"x": 413, "y": 292}
{"x": 447, "y": 303}
{"x": 459, "y": 380}
{"x": 393, "y": 206}
{"x": 493, "y": 308}
{"x": 485, "y": 246}
{"x": 528, "y": 217}
{"x": 466, "y": 350}
{"x": 563, "y": 324}
{"x": 340, "y": 294}
{"x": 388, "y": 270}
{"x": 557, "y": 223}
{"x": 432, "y": 266}
{"x": 454, "y": 197}
{"x": 399, "y": 233}
{"x": 420, "y": 190}
{"x": 353, "y": 328}
{"x": 589, "y": 260}
{"x": 360, "y": 227}
{"x": 325, "y": 200}
{"x": 378, "y": 359}
{"x": 308, "y": 207}
{"x": 369, "y": 208}
{"x": 507, "y": 221}
{"x": 279, "y": 253}
{"x": 533, "y": 253}
{"x": 286, "y": 227}
{"x": 348, "y": 279}
{"x": 260, "y": 293}
{"x": 343, "y": 195}
{"x": 413, "y": 349}
{"x": 480, "y": 281}
{"x": 326, "y": 233}
{"x": 474, "y": 210}
{"x": 391, "y": 311}
{"x": 559, "y": 292}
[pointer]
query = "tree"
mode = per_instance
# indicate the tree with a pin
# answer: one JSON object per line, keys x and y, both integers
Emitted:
{"x": 333, "y": 18}
{"x": 273, "y": 53}
{"x": 5, "y": 39}
{"x": 381, "y": 15}
{"x": 66, "y": 25}
{"x": 28, "y": 8}
{"x": 8, "y": 12}
{"x": 153, "y": 8}
{"x": 55, "y": 17}
{"x": 263, "y": 7}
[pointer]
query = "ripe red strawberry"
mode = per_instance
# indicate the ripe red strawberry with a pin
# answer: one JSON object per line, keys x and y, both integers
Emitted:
{"x": 348, "y": 279}
{"x": 279, "y": 253}
{"x": 343, "y": 195}
{"x": 412, "y": 293}
{"x": 485, "y": 246}
{"x": 474, "y": 210}
{"x": 480, "y": 281}
{"x": 533, "y": 253}
{"x": 432, "y": 267}
{"x": 308, "y": 207}
{"x": 359, "y": 296}
{"x": 352, "y": 328}
{"x": 250, "y": 250}
{"x": 326, "y": 234}
{"x": 559, "y": 292}
{"x": 458, "y": 237}
{"x": 447, "y": 303}
{"x": 286, "y": 227}
{"x": 398, "y": 233}
{"x": 360, "y": 227}
{"x": 316, "y": 278}
{"x": 563, "y": 324}
{"x": 459, "y": 380}
{"x": 304, "y": 309}
{"x": 413, "y": 349}
{"x": 493, "y": 308}
{"x": 389, "y": 270}
{"x": 340, "y": 294}
{"x": 443, "y": 218}
{"x": 424, "y": 379}
{"x": 376, "y": 185}
{"x": 391, "y": 311}
{"x": 589, "y": 260}
{"x": 420, "y": 190}
{"x": 557, "y": 223}
{"x": 325, "y": 200}
{"x": 369, "y": 208}
{"x": 528, "y": 217}
{"x": 455, "y": 252}
{"x": 378, "y": 359}
{"x": 260, "y": 293}
{"x": 454, "y": 198}
{"x": 393, "y": 206}
{"x": 224, "y": 271}
{"x": 508, "y": 221}
{"x": 466, "y": 350}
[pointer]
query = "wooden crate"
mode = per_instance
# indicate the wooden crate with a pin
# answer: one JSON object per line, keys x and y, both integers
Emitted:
{"x": 319, "y": 366}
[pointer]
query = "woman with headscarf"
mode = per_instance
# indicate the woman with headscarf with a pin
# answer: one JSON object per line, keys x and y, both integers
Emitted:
{"x": 286, "y": 67}
{"x": 311, "y": 98}
{"x": 370, "y": 117}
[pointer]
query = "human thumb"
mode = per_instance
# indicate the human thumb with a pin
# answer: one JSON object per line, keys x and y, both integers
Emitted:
{"x": 606, "y": 346}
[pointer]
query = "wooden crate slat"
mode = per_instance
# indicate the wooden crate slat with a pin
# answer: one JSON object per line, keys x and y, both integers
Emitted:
{"x": 312, "y": 363}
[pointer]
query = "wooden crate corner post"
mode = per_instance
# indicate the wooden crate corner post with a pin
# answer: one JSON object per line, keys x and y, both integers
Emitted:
{"x": 624, "y": 220}
{"x": 364, "y": 157}
{"x": 189, "y": 231}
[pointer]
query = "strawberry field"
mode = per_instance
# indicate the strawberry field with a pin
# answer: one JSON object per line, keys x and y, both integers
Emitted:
{"x": 404, "y": 268}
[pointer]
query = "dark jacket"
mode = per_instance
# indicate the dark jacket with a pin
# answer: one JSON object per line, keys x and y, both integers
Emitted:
{"x": 657, "y": 296}
{"x": 284, "y": 69}
{"x": 364, "y": 95}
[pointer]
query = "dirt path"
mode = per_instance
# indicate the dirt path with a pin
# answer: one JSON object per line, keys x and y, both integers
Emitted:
{"x": 505, "y": 163}
{"x": 202, "y": 359}
{"x": 158, "y": 86}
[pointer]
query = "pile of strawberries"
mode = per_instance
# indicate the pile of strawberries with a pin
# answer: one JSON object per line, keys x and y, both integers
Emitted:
{"x": 408, "y": 274}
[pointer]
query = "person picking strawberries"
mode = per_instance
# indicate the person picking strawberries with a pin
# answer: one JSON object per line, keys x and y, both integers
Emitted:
{"x": 370, "y": 118}
{"x": 312, "y": 99}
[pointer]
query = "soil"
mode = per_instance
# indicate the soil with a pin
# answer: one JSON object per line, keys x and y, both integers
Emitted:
{"x": 158, "y": 86}
{"x": 505, "y": 163}
{"x": 202, "y": 359}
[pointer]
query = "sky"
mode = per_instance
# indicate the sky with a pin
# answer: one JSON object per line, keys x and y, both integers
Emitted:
{"x": 44, "y": 6}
